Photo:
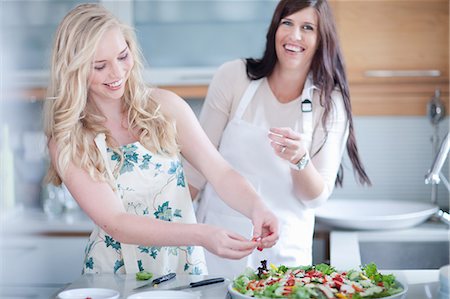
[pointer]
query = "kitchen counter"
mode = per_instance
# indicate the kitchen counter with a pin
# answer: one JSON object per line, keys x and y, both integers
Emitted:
{"x": 36, "y": 222}
{"x": 421, "y": 284}
{"x": 346, "y": 253}
{"x": 125, "y": 283}
{"x": 425, "y": 246}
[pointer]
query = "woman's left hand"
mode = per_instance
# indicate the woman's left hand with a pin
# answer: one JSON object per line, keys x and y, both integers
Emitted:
{"x": 287, "y": 144}
{"x": 265, "y": 227}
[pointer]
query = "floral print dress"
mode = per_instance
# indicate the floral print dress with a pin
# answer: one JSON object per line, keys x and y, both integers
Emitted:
{"x": 149, "y": 185}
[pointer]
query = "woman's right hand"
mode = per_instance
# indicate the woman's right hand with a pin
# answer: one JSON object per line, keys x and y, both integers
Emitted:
{"x": 225, "y": 243}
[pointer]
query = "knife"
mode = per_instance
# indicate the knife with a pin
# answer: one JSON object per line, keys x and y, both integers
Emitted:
{"x": 198, "y": 283}
{"x": 157, "y": 281}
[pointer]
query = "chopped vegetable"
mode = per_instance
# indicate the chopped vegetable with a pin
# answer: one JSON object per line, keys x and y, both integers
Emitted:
{"x": 143, "y": 275}
{"x": 315, "y": 282}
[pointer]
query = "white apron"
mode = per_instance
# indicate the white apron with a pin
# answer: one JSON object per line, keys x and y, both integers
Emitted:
{"x": 247, "y": 148}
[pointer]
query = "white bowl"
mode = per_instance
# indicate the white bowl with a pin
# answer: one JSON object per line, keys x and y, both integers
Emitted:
{"x": 164, "y": 295}
{"x": 374, "y": 214}
{"x": 94, "y": 293}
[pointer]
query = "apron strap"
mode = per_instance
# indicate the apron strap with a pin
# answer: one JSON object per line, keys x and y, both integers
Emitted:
{"x": 128, "y": 250}
{"x": 247, "y": 97}
{"x": 100, "y": 142}
{"x": 306, "y": 107}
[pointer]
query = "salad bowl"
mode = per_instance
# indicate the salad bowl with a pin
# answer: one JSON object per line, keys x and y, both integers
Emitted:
{"x": 236, "y": 295}
{"x": 316, "y": 282}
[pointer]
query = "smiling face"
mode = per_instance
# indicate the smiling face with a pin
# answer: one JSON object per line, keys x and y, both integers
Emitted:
{"x": 296, "y": 39}
{"x": 111, "y": 67}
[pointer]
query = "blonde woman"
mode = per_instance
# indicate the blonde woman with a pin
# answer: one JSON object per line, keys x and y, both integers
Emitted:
{"x": 116, "y": 144}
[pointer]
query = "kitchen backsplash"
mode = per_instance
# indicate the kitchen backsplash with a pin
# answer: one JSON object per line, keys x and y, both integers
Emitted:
{"x": 397, "y": 153}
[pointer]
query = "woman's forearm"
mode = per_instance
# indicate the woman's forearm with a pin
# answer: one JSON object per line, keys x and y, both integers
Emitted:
{"x": 237, "y": 192}
{"x": 308, "y": 183}
{"x": 145, "y": 231}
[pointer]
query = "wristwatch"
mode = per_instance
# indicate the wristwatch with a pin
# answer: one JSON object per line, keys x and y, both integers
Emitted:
{"x": 302, "y": 163}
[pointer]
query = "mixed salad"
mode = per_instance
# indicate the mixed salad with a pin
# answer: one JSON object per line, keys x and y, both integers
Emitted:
{"x": 320, "y": 282}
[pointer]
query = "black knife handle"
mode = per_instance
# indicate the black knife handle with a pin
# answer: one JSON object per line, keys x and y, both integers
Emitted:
{"x": 206, "y": 282}
{"x": 164, "y": 278}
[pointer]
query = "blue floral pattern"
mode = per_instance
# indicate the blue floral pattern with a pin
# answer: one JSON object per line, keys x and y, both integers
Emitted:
{"x": 154, "y": 186}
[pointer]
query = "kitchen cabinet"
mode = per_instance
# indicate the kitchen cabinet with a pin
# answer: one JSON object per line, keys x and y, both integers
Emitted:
{"x": 27, "y": 30}
{"x": 40, "y": 255}
{"x": 37, "y": 266}
{"x": 200, "y": 33}
{"x": 42, "y": 260}
{"x": 321, "y": 246}
{"x": 396, "y": 53}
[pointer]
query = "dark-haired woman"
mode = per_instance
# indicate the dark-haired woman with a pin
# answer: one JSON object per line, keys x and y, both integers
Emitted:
{"x": 284, "y": 122}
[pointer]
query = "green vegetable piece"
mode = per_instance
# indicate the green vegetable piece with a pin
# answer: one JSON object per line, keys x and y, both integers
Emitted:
{"x": 325, "y": 269}
{"x": 143, "y": 275}
{"x": 353, "y": 275}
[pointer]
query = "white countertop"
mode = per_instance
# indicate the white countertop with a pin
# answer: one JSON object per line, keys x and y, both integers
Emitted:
{"x": 345, "y": 248}
{"x": 35, "y": 221}
{"x": 125, "y": 283}
{"x": 424, "y": 283}
{"x": 421, "y": 284}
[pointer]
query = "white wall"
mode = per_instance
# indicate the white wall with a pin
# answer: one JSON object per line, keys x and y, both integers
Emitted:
{"x": 397, "y": 153}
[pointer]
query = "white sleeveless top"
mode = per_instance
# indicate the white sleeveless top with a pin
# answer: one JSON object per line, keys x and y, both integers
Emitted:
{"x": 153, "y": 186}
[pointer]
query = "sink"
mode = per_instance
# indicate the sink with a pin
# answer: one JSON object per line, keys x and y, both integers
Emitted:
{"x": 424, "y": 247}
{"x": 374, "y": 214}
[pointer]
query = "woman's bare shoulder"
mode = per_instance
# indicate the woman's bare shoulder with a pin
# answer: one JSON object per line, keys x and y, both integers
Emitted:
{"x": 169, "y": 101}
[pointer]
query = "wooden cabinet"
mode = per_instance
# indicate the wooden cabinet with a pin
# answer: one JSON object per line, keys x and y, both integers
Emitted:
{"x": 396, "y": 53}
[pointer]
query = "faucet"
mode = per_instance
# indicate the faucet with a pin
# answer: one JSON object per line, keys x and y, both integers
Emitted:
{"x": 435, "y": 113}
{"x": 434, "y": 175}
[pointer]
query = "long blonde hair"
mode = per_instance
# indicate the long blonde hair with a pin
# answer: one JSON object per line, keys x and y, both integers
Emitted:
{"x": 71, "y": 120}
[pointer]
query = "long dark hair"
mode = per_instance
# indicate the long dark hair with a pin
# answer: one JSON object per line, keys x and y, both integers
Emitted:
{"x": 327, "y": 69}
